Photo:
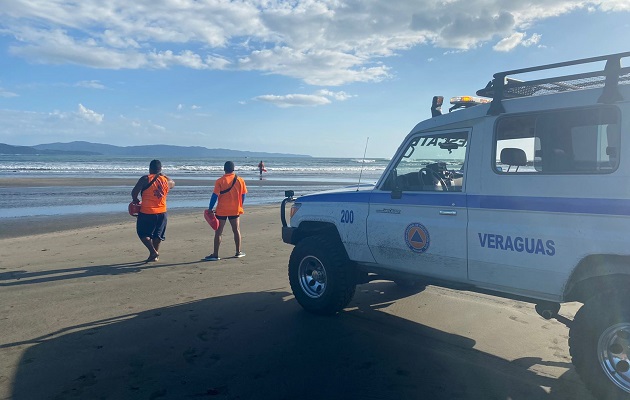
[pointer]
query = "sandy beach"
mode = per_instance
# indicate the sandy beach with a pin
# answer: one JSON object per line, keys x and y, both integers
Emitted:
{"x": 84, "y": 318}
{"x": 97, "y": 261}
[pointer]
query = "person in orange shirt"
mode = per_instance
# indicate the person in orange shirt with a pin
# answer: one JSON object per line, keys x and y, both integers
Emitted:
{"x": 230, "y": 191}
{"x": 152, "y": 218}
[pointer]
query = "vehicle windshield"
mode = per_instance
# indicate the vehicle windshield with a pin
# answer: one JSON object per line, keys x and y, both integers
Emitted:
{"x": 431, "y": 163}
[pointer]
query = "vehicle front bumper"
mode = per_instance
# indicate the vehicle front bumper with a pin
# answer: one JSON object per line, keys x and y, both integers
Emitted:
{"x": 288, "y": 233}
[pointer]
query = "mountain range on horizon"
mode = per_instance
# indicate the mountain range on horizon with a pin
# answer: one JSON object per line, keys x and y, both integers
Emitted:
{"x": 154, "y": 150}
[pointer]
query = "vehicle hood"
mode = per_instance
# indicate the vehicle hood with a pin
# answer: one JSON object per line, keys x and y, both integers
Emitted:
{"x": 347, "y": 193}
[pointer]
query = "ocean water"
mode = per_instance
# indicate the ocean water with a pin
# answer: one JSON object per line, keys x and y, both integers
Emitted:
{"x": 301, "y": 174}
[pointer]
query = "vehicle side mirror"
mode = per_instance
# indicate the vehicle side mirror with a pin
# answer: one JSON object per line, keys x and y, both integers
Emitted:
{"x": 436, "y": 106}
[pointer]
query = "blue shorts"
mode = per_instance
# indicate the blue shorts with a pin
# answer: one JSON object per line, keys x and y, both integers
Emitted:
{"x": 230, "y": 217}
{"x": 151, "y": 225}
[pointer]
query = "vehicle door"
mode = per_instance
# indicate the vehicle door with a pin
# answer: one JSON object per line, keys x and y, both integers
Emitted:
{"x": 550, "y": 197}
{"x": 417, "y": 215}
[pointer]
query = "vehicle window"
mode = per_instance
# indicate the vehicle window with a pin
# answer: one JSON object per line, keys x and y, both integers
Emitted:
{"x": 431, "y": 163}
{"x": 584, "y": 141}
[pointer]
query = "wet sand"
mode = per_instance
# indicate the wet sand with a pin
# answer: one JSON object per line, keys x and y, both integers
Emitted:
{"x": 22, "y": 226}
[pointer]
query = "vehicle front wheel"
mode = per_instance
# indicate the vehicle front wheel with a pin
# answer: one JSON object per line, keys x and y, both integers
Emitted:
{"x": 599, "y": 342}
{"x": 322, "y": 278}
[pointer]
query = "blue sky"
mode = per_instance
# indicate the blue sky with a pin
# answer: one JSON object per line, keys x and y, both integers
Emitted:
{"x": 304, "y": 77}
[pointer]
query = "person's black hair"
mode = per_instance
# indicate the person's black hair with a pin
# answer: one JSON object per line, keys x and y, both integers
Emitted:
{"x": 155, "y": 167}
{"x": 228, "y": 166}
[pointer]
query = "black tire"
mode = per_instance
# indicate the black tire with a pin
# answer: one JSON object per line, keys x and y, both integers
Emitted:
{"x": 322, "y": 278}
{"x": 599, "y": 343}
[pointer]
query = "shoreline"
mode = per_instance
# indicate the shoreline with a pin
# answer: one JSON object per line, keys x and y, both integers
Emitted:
{"x": 56, "y": 203}
{"x": 130, "y": 182}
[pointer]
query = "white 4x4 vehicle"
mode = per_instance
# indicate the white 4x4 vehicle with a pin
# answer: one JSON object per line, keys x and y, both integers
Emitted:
{"x": 526, "y": 197}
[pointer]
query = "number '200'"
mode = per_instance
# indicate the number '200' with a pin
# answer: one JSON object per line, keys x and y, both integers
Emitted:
{"x": 347, "y": 216}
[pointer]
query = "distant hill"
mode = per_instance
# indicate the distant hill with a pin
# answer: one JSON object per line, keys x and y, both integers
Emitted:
{"x": 156, "y": 150}
{"x": 8, "y": 149}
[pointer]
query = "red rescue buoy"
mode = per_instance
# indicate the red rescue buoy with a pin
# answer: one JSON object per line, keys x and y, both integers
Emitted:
{"x": 134, "y": 209}
{"x": 211, "y": 219}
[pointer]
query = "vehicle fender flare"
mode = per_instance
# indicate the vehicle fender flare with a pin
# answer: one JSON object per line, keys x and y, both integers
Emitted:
{"x": 596, "y": 274}
{"x": 313, "y": 228}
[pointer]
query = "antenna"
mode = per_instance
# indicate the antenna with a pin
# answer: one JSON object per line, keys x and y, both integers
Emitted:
{"x": 363, "y": 162}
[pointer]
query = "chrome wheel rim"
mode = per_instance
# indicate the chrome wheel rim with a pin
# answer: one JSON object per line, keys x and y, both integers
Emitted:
{"x": 312, "y": 276}
{"x": 613, "y": 349}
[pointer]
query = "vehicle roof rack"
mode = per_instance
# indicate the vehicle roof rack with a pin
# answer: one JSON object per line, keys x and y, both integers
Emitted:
{"x": 501, "y": 87}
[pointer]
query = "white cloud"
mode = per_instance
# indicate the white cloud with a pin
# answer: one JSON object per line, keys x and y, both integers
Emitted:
{"x": 90, "y": 115}
{"x": 614, "y": 5}
{"x": 6, "y": 93}
{"x": 340, "y": 96}
{"x": 217, "y": 62}
{"x": 509, "y": 43}
{"x": 321, "y": 42}
{"x": 516, "y": 39}
{"x": 319, "y": 98}
{"x": 57, "y": 47}
{"x": 181, "y": 107}
{"x": 534, "y": 39}
{"x": 315, "y": 68}
{"x": 90, "y": 84}
{"x": 167, "y": 59}
{"x": 292, "y": 100}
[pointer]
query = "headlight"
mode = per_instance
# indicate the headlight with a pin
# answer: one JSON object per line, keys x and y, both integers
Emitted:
{"x": 294, "y": 208}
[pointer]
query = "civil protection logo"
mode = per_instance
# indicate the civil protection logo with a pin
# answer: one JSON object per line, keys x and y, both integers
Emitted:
{"x": 417, "y": 237}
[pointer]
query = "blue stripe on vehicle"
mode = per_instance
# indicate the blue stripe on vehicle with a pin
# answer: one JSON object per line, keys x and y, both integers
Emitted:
{"x": 569, "y": 205}
{"x": 346, "y": 197}
{"x": 423, "y": 199}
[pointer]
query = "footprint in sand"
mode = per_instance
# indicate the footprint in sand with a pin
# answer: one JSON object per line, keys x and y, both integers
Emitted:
{"x": 515, "y": 318}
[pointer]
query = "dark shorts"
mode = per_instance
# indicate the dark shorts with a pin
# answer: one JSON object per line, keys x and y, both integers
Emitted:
{"x": 231, "y": 217}
{"x": 151, "y": 225}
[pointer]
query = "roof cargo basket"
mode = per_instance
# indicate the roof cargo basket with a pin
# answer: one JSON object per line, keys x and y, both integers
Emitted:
{"x": 502, "y": 87}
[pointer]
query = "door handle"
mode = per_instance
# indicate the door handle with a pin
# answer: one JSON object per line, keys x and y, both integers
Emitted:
{"x": 448, "y": 212}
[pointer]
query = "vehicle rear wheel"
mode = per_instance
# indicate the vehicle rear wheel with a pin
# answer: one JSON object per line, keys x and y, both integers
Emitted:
{"x": 321, "y": 276}
{"x": 599, "y": 342}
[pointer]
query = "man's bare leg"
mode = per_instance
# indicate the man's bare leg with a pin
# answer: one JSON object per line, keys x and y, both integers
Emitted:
{"x": 149, "y": 244}
{"x": 156, "y": 244}
{"x": 217, "y": 237}
{"x": 237, "y": 233}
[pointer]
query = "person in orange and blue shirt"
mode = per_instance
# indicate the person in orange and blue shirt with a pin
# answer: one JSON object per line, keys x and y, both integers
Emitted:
{"x": 152, "y": 218}
{"x": 230, "y": 192}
